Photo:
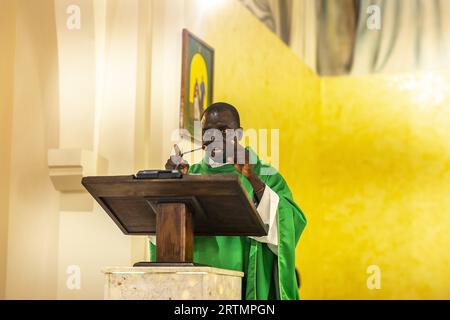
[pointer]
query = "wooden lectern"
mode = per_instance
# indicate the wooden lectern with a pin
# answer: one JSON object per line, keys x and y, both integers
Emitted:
{"x": 177, "y": 209}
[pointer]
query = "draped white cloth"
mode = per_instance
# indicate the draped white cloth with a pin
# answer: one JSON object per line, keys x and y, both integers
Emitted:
{"x": 332, "y": 37}
{"x": 414, "y": 36}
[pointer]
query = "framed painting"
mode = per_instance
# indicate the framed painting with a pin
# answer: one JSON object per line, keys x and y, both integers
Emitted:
{"x": 197, "y": 79}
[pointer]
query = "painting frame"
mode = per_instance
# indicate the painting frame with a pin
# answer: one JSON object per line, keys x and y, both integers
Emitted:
{"x": 192, "y": 45}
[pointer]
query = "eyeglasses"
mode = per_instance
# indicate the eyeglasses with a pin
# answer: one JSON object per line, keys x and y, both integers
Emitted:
{"x": 224, "y": 131}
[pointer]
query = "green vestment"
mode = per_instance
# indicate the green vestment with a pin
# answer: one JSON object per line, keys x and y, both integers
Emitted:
{"x": 254, "y": 258}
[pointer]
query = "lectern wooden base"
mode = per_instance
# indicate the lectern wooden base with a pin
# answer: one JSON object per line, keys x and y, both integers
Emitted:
{"x": 172, "y": 283}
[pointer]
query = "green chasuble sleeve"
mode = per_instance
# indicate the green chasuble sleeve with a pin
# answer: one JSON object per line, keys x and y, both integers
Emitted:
{"x": 254, "y": 258}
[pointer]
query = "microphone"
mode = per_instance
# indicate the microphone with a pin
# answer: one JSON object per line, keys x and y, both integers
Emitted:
{"x": 204, "y": 145}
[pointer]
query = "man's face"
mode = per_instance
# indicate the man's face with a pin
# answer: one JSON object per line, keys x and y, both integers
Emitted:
{"x": 223, "y": 129}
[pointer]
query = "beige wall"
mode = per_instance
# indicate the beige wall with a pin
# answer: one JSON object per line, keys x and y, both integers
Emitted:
{"x": 121, "y": 89}
{"x": 7, "y": 45}
{"x": 70, "y": 93}
{"x": 33, "y": 219}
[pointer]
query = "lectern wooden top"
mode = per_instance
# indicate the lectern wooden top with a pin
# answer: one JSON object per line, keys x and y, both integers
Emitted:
{"x": 219, "y": 203}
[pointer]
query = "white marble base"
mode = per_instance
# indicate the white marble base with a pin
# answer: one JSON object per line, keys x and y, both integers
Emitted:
{"x": 172, "y": 283}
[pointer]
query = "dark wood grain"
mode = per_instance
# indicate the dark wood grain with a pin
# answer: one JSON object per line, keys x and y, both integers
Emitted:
{"x": 174, "y": 233}
{"x": 219, "y": 203}
{"x": 176, "y": 209}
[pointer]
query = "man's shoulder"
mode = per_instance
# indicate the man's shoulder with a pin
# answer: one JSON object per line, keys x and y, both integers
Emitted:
{"x": 271, "y": 176}
{"x": 266, "y": 171}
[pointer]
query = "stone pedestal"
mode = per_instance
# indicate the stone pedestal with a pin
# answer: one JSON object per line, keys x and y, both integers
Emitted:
{"x": 172, "y": 283}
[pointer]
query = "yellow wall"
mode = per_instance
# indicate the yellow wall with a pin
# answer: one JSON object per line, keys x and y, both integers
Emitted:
{"x": 272, "y": 89}
{"x": 384, "y": 163}
{"x": 367, "y": 159}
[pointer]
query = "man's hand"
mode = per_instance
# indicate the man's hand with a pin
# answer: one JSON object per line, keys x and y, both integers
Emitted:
{"x": 246, "y": 169}
{"x": 242, "y": 161}
{"x": 176, "y": 162}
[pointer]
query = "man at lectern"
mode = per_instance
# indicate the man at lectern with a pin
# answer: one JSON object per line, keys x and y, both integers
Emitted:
{"x": 268, "y": 262}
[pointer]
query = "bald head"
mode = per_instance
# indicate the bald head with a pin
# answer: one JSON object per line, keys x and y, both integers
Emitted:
{"x": 224, "y": 112}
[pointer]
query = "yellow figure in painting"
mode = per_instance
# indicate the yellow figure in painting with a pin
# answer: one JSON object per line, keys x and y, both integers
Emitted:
{"x": 198, "y": 86}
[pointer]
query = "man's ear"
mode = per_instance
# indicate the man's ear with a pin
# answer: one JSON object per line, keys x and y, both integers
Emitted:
{"x": 239, "y": 133}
